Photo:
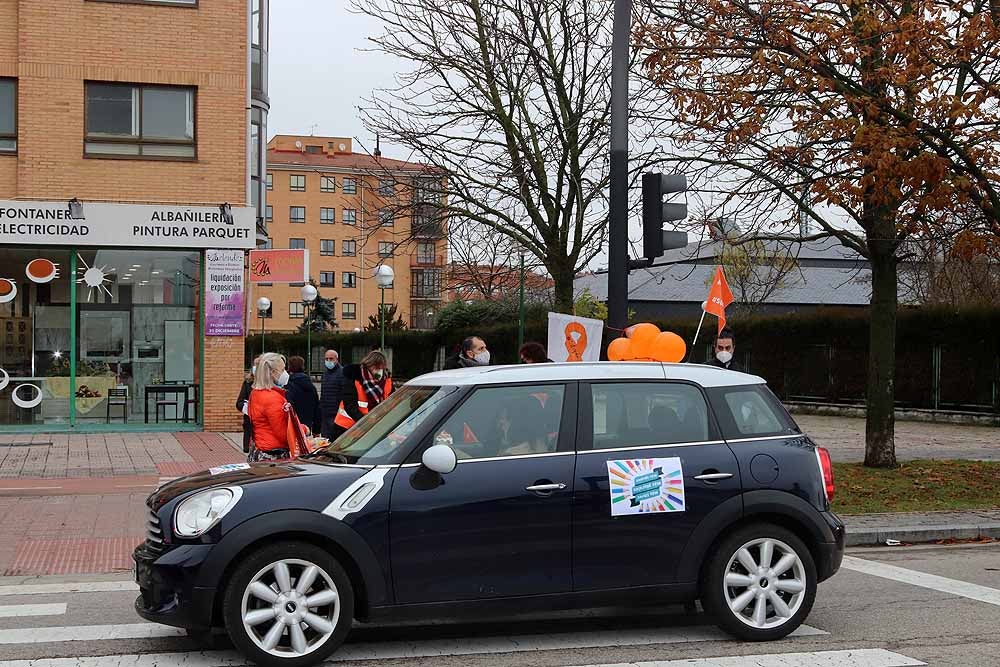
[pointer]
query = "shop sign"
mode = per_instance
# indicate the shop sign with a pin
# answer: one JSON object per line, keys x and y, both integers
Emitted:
{"x": 279, "y": 266}
{"x": 224, "y": 293}
{"x": 132, "y": 225}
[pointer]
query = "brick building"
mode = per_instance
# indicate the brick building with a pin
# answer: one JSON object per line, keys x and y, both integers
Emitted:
{"x": 353, "y": 212}
{"x": 130, "y": 147}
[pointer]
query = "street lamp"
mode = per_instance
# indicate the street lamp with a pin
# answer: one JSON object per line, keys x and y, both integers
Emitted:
{"x": 308, "y": 294}
{"x": 263, "y": 305}
{"x": 384, "y": 275}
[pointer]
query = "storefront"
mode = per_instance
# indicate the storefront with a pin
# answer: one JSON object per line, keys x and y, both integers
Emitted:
{"x": 103, "y": 315}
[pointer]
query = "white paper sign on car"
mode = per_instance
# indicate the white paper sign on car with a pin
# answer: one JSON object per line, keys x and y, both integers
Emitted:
{"x": 229, "y": 467}
{"x": 646, "y": 486}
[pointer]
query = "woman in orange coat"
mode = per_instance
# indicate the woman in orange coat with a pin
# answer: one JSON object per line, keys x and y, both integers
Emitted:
{"x": 268, "y": 409}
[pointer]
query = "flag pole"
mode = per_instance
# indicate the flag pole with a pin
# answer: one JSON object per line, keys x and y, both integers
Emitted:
{"x": 696, "y": 332}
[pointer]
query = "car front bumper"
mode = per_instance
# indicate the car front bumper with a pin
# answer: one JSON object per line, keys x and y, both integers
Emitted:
{"x": 167, "y": 590}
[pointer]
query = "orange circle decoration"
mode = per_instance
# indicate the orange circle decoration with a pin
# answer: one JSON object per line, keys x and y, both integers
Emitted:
{"x": 8, "y": 290}
{"x": 41, "y": 270}
{"x": 620, "y": 349}
{"x": 668, "y": 347}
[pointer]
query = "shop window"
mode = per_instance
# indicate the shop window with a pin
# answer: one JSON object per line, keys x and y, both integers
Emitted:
{"x": 270, "y": 181}
{"x": 327, "y": 278}
{"x": 350, "y": 216}
{"x": 386, "y": 217}
{"x": 327, "y": 246}
{"x": 297, "y": 214}
{"x": 296, "y": 244}
{"x": 349, "y": 279}
{"x": 349, "y": 311}
{"x": 385, "y": 248}
{"x": 124, "y": 120}
{"x": 297, "y": 183}
{"x": 327, "y": 216}
{"x": 8, "y": 116}
{"x": 327, "y": 184}
{"x": 349, "y": 248}
{"x": 350, "y": 186}
{"x": 296, "y": 310}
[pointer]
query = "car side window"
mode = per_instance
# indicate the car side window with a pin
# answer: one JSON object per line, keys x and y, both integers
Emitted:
{"x": 639, "y": 414}
{"x": 752, "y": 411}
{"x": 505, "y": 421}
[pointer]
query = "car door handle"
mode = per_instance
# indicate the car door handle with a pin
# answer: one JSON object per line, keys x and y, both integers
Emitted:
{"x": 714, "y": 476}
{"x": 545, "y": 487}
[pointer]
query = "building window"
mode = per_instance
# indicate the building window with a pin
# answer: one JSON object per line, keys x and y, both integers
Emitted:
{"x": 350, "y": 186}
{"x": 327, "y": 184}
{"x": 327, "y": 278}
{"x": 426, "y": 284}
{"x": 270, "y": 181}
{"x": 296, "y": 244}
{"x": 314, "y": 150}
{"x": 296, "y": 310}
{"x": 326, "y": 247}
{"x": 349, "y": 311}
{"x": 269, "y": 213}
{"x": 327, "y": 216}
{"x": 349, "y": 279}
{"x": 8, "y": 116}
{"x": 425, "y": 253}
{"x": 386, "y": 187}
{"x": 386, "y": 217}
{"x": 350, "y": 216}
{"x": 297, "y": 183}
{"x": 385, "y": 248}
{"x": 296, "y": 213}
{"x": 349, "y": 248}
{"x": 139, "y": 121}
{"x": 189, "y": 3}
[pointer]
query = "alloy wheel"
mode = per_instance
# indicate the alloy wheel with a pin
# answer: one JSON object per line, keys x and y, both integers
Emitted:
{"x": 290, "y": 608}
{"x": 764, "y": 583}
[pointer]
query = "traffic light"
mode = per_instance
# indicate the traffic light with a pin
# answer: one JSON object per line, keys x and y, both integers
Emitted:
{"x": 654, "y": 213}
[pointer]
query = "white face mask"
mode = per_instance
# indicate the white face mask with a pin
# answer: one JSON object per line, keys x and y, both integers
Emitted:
{"x": 483, "y": 358}
{"x": 378, "y": 374}
{"x": 724, "y": 357}
{"x": 282, "y": 379}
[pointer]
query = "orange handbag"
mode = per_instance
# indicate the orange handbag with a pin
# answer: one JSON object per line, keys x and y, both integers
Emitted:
{"x": 296, "y": 436}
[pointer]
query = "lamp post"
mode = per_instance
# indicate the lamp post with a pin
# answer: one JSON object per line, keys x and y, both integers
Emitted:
{"x": 384, "y": 275}
{"x": 308, "y": 294}
{"x": 520, "y": 321}
{"x": 263, "y": 304}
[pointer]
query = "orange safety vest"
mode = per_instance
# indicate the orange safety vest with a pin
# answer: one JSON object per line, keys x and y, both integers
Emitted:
{"x": 345, "y": 420}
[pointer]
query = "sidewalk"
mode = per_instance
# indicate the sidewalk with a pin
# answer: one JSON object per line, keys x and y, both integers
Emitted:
{"x": 913, "y": 527}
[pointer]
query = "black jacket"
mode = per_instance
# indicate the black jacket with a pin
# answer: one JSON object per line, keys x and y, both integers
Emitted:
{"x": 349, "y": 393}
{"x": 301, "y": 393}
{"x": 715, "y": 362}
{"x": 243, "y": 398}
{"x": 333, "y": 385}
{"x": 459, "y": 361}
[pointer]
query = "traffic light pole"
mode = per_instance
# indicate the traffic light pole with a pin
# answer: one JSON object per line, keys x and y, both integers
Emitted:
{"x": 618, "y": 201}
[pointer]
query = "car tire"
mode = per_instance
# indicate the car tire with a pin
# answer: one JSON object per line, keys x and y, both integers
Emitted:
{"x": 274, "y": 623}
{"x": 756, "y": 603}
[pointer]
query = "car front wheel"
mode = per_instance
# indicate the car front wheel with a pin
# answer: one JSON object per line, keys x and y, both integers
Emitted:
{"x": 760, "y": 583}
{"x": 288, "y": 605}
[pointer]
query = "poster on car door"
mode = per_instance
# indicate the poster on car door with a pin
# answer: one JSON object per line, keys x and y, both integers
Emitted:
{"x": 224, "y": 293}
{"x": 646, "y": 486}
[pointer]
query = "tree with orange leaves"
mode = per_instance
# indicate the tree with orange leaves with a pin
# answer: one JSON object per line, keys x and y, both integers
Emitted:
{"x": 872, "y": 119}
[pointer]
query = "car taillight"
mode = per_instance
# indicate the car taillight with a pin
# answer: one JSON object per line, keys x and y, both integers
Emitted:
{"x": 826, "y": 468}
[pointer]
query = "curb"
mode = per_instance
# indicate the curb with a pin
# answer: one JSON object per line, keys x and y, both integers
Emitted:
{"x": 914, "y": 534}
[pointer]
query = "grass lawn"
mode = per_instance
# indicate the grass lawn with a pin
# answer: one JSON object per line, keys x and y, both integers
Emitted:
{"x": 917, "y": 486}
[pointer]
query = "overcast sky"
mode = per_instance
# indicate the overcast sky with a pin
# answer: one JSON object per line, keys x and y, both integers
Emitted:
{"x": 319, "y": 73}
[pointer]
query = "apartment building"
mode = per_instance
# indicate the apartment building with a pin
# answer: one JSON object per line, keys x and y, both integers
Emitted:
{"x": 353, "y": 212}
{"x": 131, "y": 156}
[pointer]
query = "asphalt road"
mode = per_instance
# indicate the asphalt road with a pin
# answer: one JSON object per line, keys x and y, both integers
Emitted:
{"x": 886, "y": 608}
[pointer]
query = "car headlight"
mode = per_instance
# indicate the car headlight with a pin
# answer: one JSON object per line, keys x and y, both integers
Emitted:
{"x": 203, "y": 510}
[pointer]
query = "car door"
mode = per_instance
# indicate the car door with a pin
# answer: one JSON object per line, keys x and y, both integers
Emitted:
{"x": 650, "y": 467}
{"x": 500, "y": 523}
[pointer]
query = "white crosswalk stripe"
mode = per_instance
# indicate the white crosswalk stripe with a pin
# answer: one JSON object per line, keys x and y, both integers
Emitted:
{"x": 69, "y": 587}
{"x": 21, "y": 610}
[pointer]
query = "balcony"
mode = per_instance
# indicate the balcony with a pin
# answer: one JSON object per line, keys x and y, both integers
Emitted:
{"x": 418, "y": 260}
{"x": 426, "y": 292}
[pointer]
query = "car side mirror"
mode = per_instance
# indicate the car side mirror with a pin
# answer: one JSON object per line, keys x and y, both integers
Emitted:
{"x": 440, "y": 458}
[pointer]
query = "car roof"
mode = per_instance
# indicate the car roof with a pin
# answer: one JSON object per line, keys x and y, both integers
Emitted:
{"x": 706, "y": 376}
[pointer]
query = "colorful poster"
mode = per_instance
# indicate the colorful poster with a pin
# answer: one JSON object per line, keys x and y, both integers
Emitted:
{"x": 224, "y": 293}
{"x": 573, "y": 338}
{"x": 646, "y": 486}
{"x": 279, "y": 266}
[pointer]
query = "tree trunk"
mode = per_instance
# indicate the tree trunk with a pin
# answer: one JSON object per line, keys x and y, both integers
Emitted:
{"x": 563, "y": 279}
{"x": 880, "y": 446}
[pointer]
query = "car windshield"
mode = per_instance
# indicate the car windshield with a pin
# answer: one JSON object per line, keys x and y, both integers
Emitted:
{"x": 377, "y": 438}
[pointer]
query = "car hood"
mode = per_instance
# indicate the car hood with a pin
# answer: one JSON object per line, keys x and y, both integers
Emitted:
{"x": 332, "y": 478}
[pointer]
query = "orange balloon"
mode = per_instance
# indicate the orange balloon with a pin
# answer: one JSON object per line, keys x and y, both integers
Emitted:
{"x": 641, "y": 333}
{"x": 619, "y": 349}
{"x": 668, "y": 347}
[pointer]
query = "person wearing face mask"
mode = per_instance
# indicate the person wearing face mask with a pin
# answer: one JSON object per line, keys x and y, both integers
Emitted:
{"x": 268, "y": 409}
{"x": 472, "y": 353}
{"x": 241, "y": 404}
{"x": 333, "y": 385}
{"x": 365, "y": 386}
{"x": 724, "y": 349}
{"x": 301, "y": 393}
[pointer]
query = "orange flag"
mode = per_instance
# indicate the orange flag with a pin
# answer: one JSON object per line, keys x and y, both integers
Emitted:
{"x": 719, "y": 297}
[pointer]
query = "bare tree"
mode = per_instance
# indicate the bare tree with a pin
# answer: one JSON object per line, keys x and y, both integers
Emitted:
{"x": 511, "y": 98}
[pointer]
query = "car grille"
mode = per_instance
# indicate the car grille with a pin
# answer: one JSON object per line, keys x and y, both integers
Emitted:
{"x": 154, "y": 533}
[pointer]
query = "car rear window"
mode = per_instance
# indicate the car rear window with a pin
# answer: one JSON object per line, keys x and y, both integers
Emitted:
{"x": 751, "y": 411}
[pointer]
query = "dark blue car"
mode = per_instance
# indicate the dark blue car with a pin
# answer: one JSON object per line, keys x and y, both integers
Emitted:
{"x": 499, "y": 490}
